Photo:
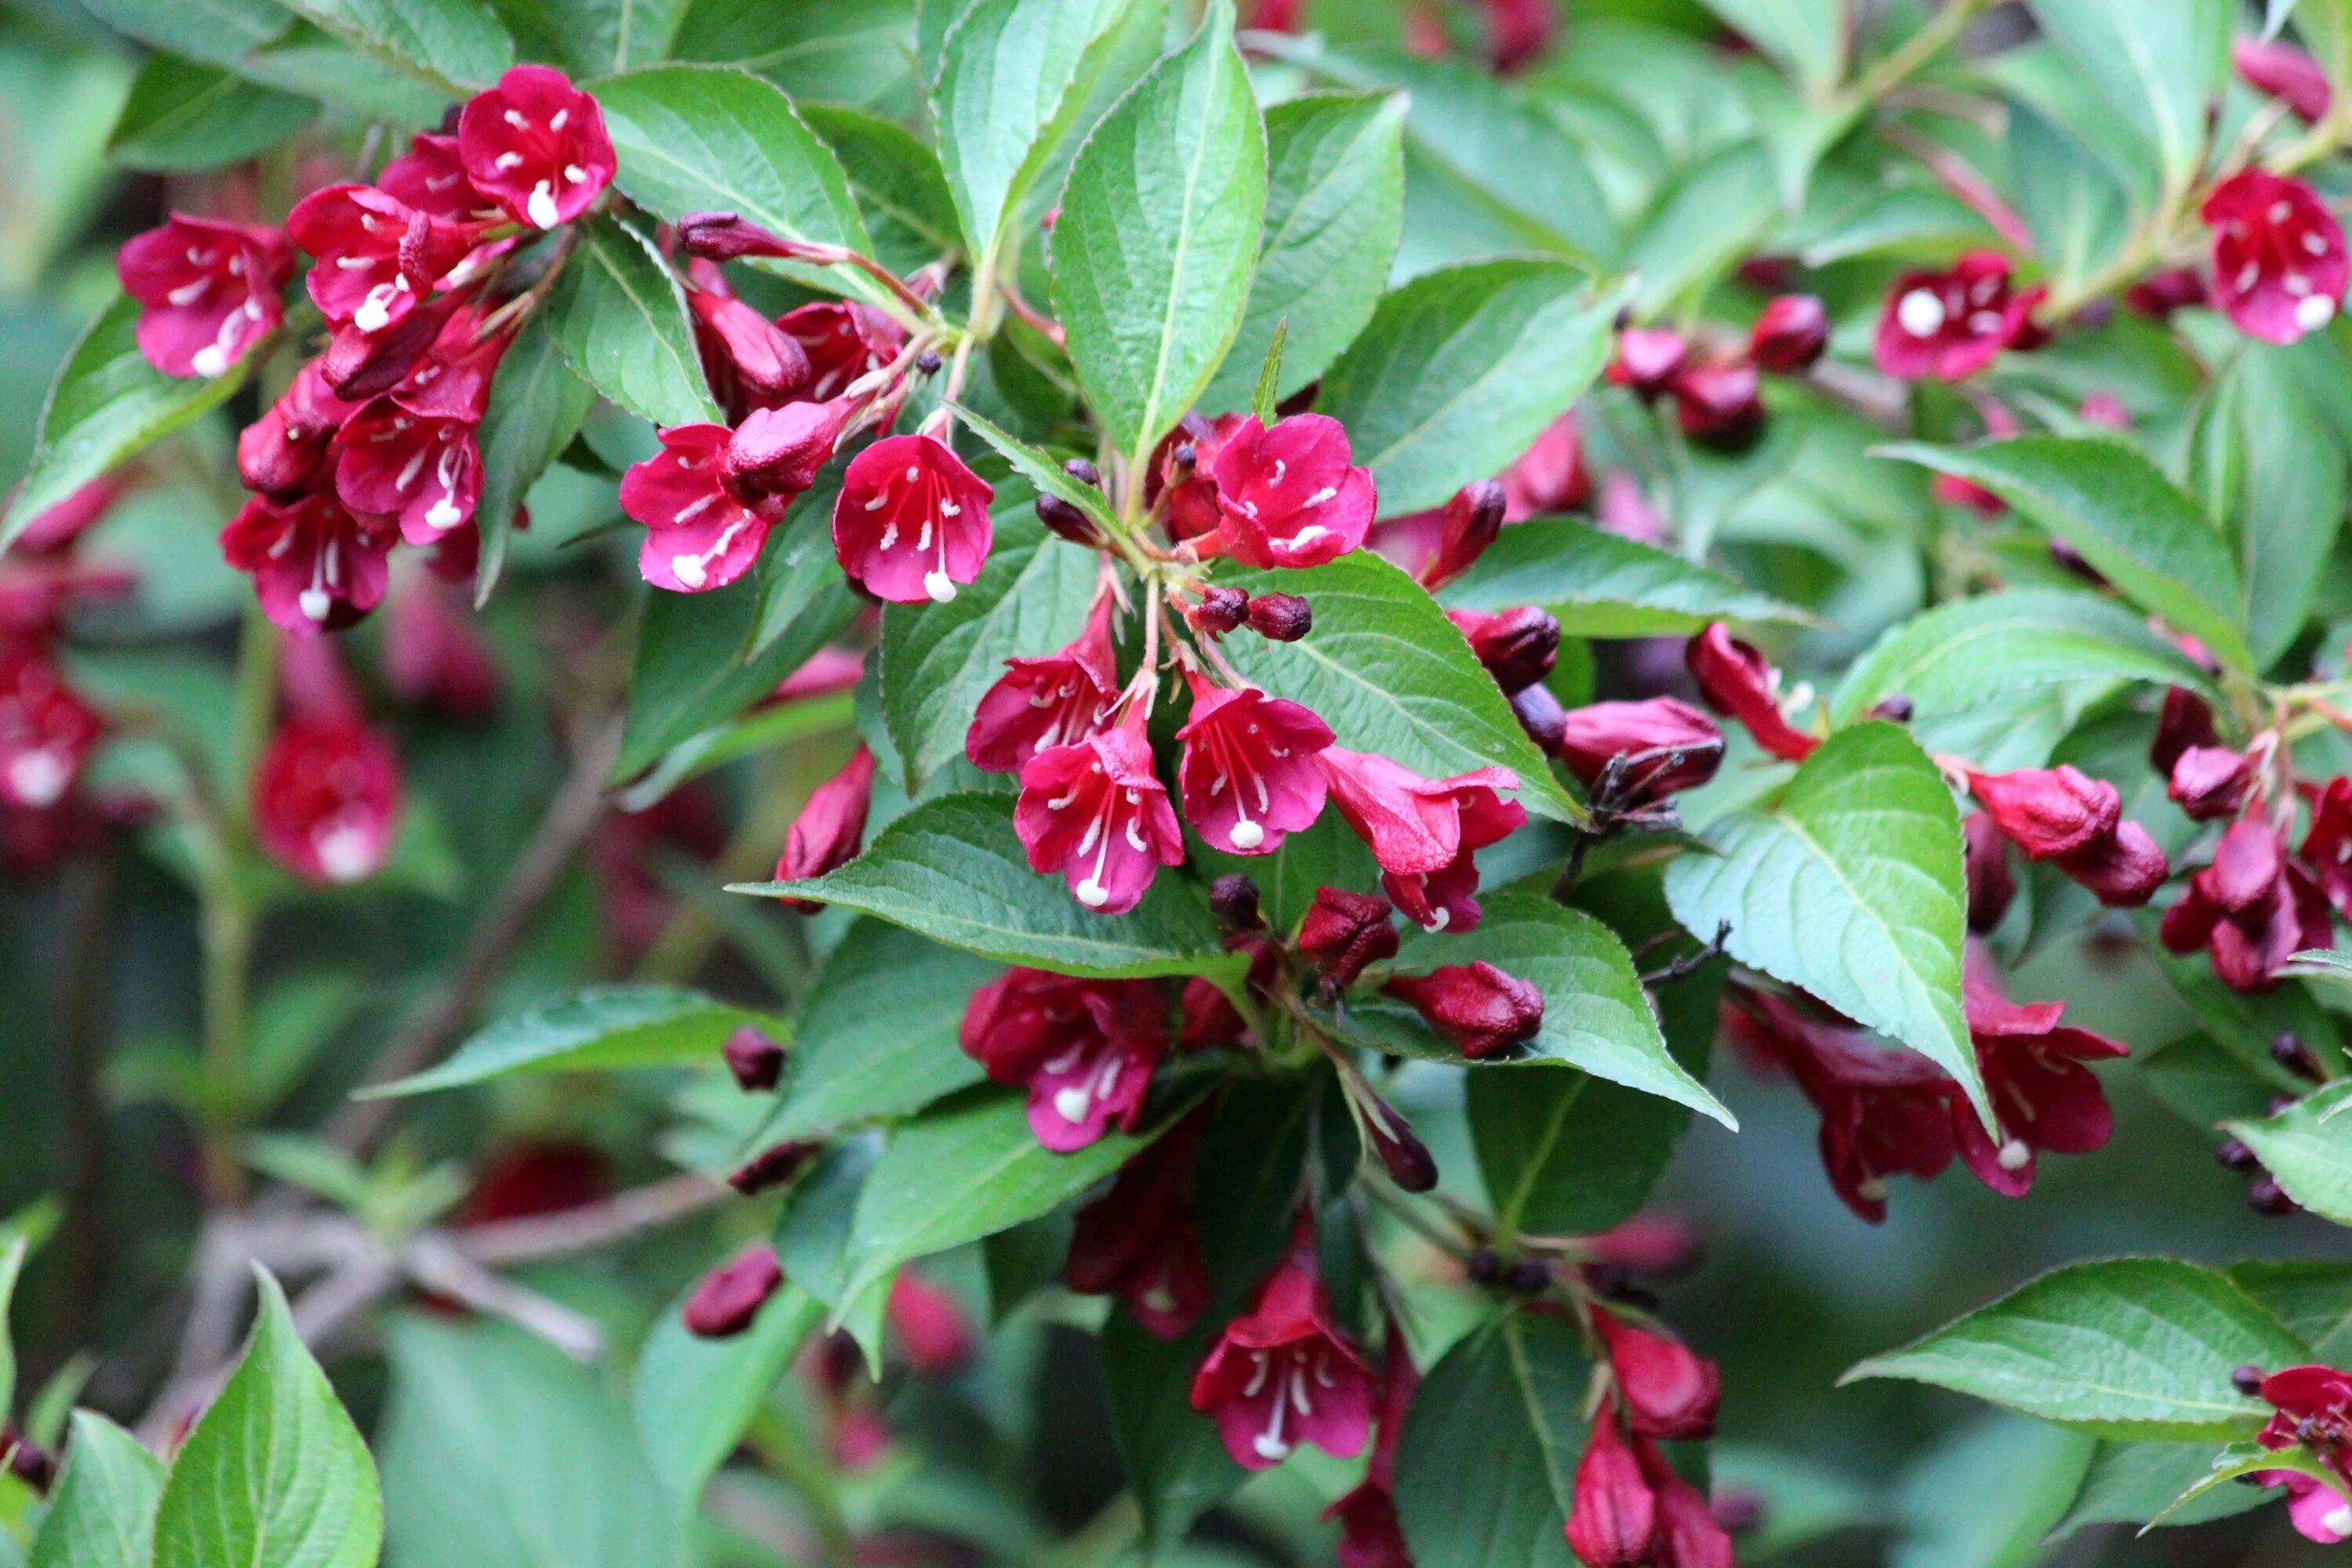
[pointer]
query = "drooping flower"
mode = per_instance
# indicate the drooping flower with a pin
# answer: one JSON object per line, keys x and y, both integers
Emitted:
{"x": 316, "y": 565}
{"x": 1949, "y": 325}
{"x": 831, "y": 828}
{"x": 1284, "y": 1374}
{"x": 2252, "y": 909}
{"x": 1083, "y": 1050}
{"x": 1668, "y": 746}
{"x": 1343, "y": 933}
{"x": 1095, "y": 812}
{"x": 326, "y": 799}
{"x": 1424, "y": 832}
{"x": 1139, "y": 1240}
{"x": 1789, "y": 334}
{"x": 1613, "y": 1515}
{"x": 536, "y": 146}
{"x": 2042, "y": 1094}
{"x": 1248, "y": 772}
{"x": 47, "y": 729}
{"x": 1288, "y": 495}
{"x": 1668, "y": 1390}
{"x": 727, "y": 1299}
{"x": 1735, "y": 678}
{"x": 912, "y": 519}
{"x": 750, "y": 361}
{"x": 699, "y": 536}
{"x": 2062, "y": 814}
{"x": 2279, "y": 261}
{"x": 1040, "y": 703}
{"x": 1477, "y": 1006}
{"x": 209, "y": 290}
{"x": 378, "y": 257}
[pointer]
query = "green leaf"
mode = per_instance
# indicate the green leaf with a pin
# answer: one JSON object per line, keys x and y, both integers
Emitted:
{"x": 2270, "y": 469}
{"x": 621, "y": 321}
{"x": 1567, "y": 1154}
{"x": 979, "y": 1147}
{"x": 2135, "y": 1348}
{"x": 2125, "y": 517}
{"x": 602, "y": 1028}
{"x": 1597, "y": 583}
{"x": 953, "y": 869}
{"x": 16, "y": 1246}
{"x": 2311, "y": 1297}
{"x": 2308, "y": 1148}
{"x": 2155, "y": 66}
{"x": 1266, "y": 397}
{"x": 1030, "y": 597}
{"x": 1460, "y": 370}
{"x": 1389, "y": 674}
{"x": 848, "y": 52}
{"x": 704, "y": 138}
{"x": 1176, "y": 1465}
{"x": 106, "y": 404}
{"x": 536, "y": 408}
{"x": 455, "y": 46}
{"x": 693, "y": 1398}
{"x": 2244, "y": 1459}
{"x": 1710, "y": 215}
{"x": 1159, "y": 231}
{"x": 1848, "y": 884}
{"x": 603, "y": 36}
{"x": 1334, "y": 209}
{"x": 184, "y": 115}
{"x": 274, "y": 1474}
{"x": 1806, "y": 37}
{"x": 218, "y": 32}
{"x": 501, "y": 1453}
{"x": 1486, "y": 1472}
{"x": 2077, "y": 206}
{"x": 1985, "y": 1493}
{"x": 1041, "y": 470}
{"x": 2133, "y": 1483}
{"x": 879, "y": 1034}
{"x": 897, "y": 181}
{"x": 1968, "y": 651}
{"x": 2203, "y": 1082}
{"x": 102, "y": 1514}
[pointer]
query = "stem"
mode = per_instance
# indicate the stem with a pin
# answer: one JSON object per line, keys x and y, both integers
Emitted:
{"x": 1938, "y": 34}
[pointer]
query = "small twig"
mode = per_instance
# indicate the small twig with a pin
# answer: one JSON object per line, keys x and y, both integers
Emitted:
{"x": 439, "y": 1262}
{"x": 583, "y": 1229}
{"x": 1029, "y": 315}
{"x": 1691, "y": 963}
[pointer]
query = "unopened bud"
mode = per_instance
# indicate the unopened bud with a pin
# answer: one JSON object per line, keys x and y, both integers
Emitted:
{"x": 1280, "y": 618}
{"x": 2288, "y": 1050}
{"x": 724, "y": 236}
{"x": 1667, "y": 744}
{"x": 1234, "y": 899}
{"x": 756, "y": 1060}
{"x": 29, "y": 1462}
{"x": 1719, "y": 405}
{"x": 1790, "y": 335}
{"x": 2049, "y": 812}
{"x": 2247, "y": 1380}
{"x": 1083, "y": 471}
{"x": 2185, "y": 721}
{"x": 927, "y": 362}
{"x": 1484, "y": 1268}
{"x": 2210, "y": 783}
{"x": 2266, "y": 1196}
{"x": 772, "y": 1167}
{"x": 1474, "y": 517}
{"x": 776, "y": 453}
{"x": 1401, "y": 1153}
{"x": 1540, "y": 715}
{"x": 1476, "y": 1006}
{"x": 1896, "y": 708}
{"x": 2233, "y": 1155}
{"x": 1647, "y": 359}
{"x": 1344, "y": 933}
{"x": 1068, "y": 521}
{"x": 1221, "y": 610}
{"x": 1613, "y": 1519}
{"x": 1527, "y": 1276}
{"x": 1736, "y": 1509}
{"x": 730, "y": 1297}
{"x": 1669, "y": 1390}
{"x": 1182, "y": 458}
{"x": 1518, "y": 646}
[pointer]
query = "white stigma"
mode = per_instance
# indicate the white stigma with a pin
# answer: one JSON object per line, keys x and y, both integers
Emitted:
{"x": 2338, "y": 1521}
{"x": 1920, "y": 313}
{"x": 1093, "y": 894}
{"x": 2014, "y": 1156}
{"x": 689, "y": 570}
{"x": 937, "y": 584}
{"x": 445, "y": 514}
{"x": 210, "y": 360}
{"x": 375, "y": 314}
{"x": 541, "y": 206}
{"x": 314, "y": 603}
{"x": 1072, "y": 1104}
{"x": 345, "y": 853}
{"x": 40, "y": 777}
{"x": 1246, "y": 835}
{"x": 2313, "y": 311}
{"x": 1872, "y": 1189}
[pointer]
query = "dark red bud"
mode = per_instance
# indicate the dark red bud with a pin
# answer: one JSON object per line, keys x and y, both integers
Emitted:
{"x": 1992, "y": 886}
{"x": 1474, "y": 517}
{"x": 1527, "y": 1276}
{"x": 1221, "y": 610}
{"x": 1719, "y": 405}
{"x": 1280, "y": 618}
{"x": 723, "y": 236}
{"x": 2288, "y": 1050}
{"x": 2210, "y": 783}
{"x": 1894, "y": 710}
{"x": 2161, "y": 293}
{"x": 730, "y": 1297}
{"x": 1518, "y": 647}
{"x": 2233, "y": 1155}
{"x": 927, "y": 362}
{"x": 1068, "y": 521}
{"x": 2247, "y": 1380}
{"x": 2073, "y": 560}
{"x": 276, "y": 458}
{"x": 1234, "y": 899}
{"x": 757, "y": 1061}
{"x": 773, "y": 1167}
{"x": 2185, "y": 721}
{"x": 1647, "y": 359}
{"x": 775, "y": 453}
{"x": 1405, "y": 1156}
{"x": 767, "y": 361}
{"x": 1083, "y": 471}
{"x": 1790, "y": 335}
{"x": 1485, "y": 1267}
{"x": 1540, "y": 714}
{"x": 1668, "y": 1390}
{"x": 29, "y": 1462}
{"x": 1344, "y": 933}
{"x": 359, "y": 365}
{"x": 2049, "y": 812}
{"x": 2245, "y": 874}
{"x": 1736, "y": 1510}
{"x": 2125, "y": 868}
{"x": 1668, "y": 745}
{"x": 2266, "y": 1196}
{"x": 1612, "y": 1515}
{"x": 1477, "y": 1006}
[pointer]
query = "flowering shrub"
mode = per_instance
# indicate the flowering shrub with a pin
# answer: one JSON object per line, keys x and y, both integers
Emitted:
{"x": 970, "y": 740}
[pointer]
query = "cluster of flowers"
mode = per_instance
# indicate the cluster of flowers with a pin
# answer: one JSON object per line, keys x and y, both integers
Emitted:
{"x": 374, "y": 441}
{"x": 2312, "y": 1411}
{"x": 1717, "y": 394}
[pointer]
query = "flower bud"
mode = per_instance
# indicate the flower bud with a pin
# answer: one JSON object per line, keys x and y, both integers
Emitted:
{"x": 757, "y": 1061}
{"x": 1280, "y": 618}
{"x": 730, "y": 1297}
{"x": 359, "y": 365}
{"x": 1736, "y": 1510}
{"x": 773, "y": 1167}
{"x": 2210, "y": 782}
{"x": 2288, "y": 1050}
{"x": 1234, "y": 899}
{"x": 1405, "y": 1156}
{"x": 1518, "y": 647}
{"x": 28, "y": 1461}
{"x": 2233, "y": 1155}
{"x": 1668, "y": 1390}
{"x": 1527, "y": 1276}
{"x": 2125, "y": 868}
{"x": 1085, "y": 473}
{"x": 1068, "y": 521}
{"x": 1344, "y": 933}
{"x": 1790, "y": 335}
{"x": 1986, "y": 862}
{"x": 2244, "y": 876}
{"x": 764, "y": 359}
{"x": 1718, "y": 405}
{"x": 2266, "y": 1196}
{"x": 775, "y": 453}
{"x": 2247, "y": 1380}
{"x": 1473, "y": 516}
{"x": 1477, "y": 1006}
{"x": 1894, "y": 710}
{"x": 1538, "y": 713}
{"x": 1221, "y": 610}
{"x": 1612, "y": 1515}
{"x": 1647, "y": 359}
{"x": 724, "y": 236}
{"x": 1668, "y": 745}
{"x": 1484, "y": 1268}
{"x": 2185, "y": 721}
{"x": 2049, "y": 812}
{"x": 831, "y": 829}
{"x": 1688, "y": 1536}
{"x": 2161, "y": 293}
{"x": 2285, "y": 73}
{"x": 930, "y": 1323}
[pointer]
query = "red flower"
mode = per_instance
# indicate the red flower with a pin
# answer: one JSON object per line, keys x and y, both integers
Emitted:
{"x": 2049, "y": 812}
{"x": 1248, "y": 772}
{"x": 2185, "y": 721}
{"x": 1343, "y": 933}
{"x": 431, "y": 178}
{"x": 1951, "y": 325}
{"x": 727, "y": 1299}
{"x": 1985, "y": 860}
{"x": 2042, "y": 1094}
{"x": 536, "y": 146}
{"x": 1138, "y": 1240}
{"x": 1734, "y": 678}
{"x": 1667, "y": 744}
{"x": 2209, "y": 782}
{"x": 1477, "y": 1006}
{"x": 1613, "y": 1515}
{"x": 2279, "y": 263}
{"x": 2285, "y": 73}
{"x": 1095, "y": 812}
{"x": 1369, "y": 1534}
{"x": 1549, "y": 475}
{"x": 699, "y": 535}
{"x": 831, "y": 828}
{"x": 1668, "y": 1390}
{"x": 1191, "y": 485}
{"x": 912, "y": 519}
{"x": 1423, "y": 831}
{"x": 326, "y": 798}
{"x": 2252, "y": 909}
{"x": 750, "y": 361}
{"x": 2313, "y": 1410}
{"x": 2327, "y": 844}
{"x": 1040, "y": 703}
{"x": 209, "y": 289}
{"x": 432, "y": 654}
{"x": 841, "y": 342}
{"x": 47, "y": 731}
{"x": 377, "y": 256}
{"x": 1789, "y": 334}
{"x": 1085, "y": 1049}
{"x": 1688, "y": 1536}
{"x": 283, "y": 454}
{"x": 930, "y": 1324}
{"x": 1284, "y": 1374}
{"x": 426, "y": 472}
{"x": 776, "y": 453}
{"x": 2166, "y": 290}
{"x": 1288, "y": 495}
{"x": 316, "y": 564}
{"x": 1473, "y": 516}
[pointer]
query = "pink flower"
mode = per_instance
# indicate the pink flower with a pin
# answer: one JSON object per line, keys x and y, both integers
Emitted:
{"x": 1288, "y": 496}
{"x": 536, "y": 146}
{"x": 1549, "y": 475}
{"x": 1477, "y": 1006}
{"x": 377, "y": 256}
{"x": 1284, "y": 1374}
{"x": 316, "y": 565}
{"x": 1093, "y": 811}
{"x": 930, "y": 1323}
{"x": 1789, "y": 334}
{"x": 2284, "y": 72}
{"x": 1423, "y": 831}
{"x": 2318, "y": 1511}
{"x": 431, "y": 178}
{"x": 424, "y": 471}
{"x": 2034, "y": 1074}
{"x": 1613, "y": 1515}
{"x": 1668, "y": 745}
{"x": 1138, "y": 1240}
{"x": 1735, "y": 678}
{"x": 1949, "y": 325}
{"x": 2049, "y": 812}
{"x": 1647, "y": 359}
{"x": 326, "y": 798}
{"x": 1037, "y": 704}
{"x": 699, "y": 535}
{"x": 1668, "y": 1390}
{"x": 2313, "y": 1413}
{"x": 47, "y": 731}
{"x": 1191, "y": 486}
{"x": 831, "y": 828}
{"x": 727, "y": 1299}
{"x": 209, "y": 289}
{"x": 841, "y": 342}
{"x": 1085, "y": 1049}
{"x": 1248, "y": 772}
{"x": 912, "y": 520}
{"x": 283, "y": 454}
{"x": 2279, "y": 263}
{"x": 776, "y": 453}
